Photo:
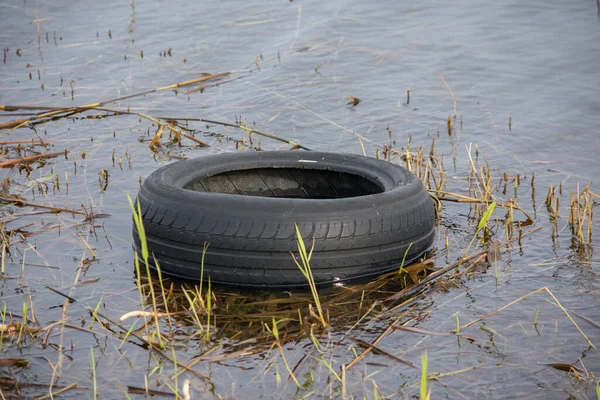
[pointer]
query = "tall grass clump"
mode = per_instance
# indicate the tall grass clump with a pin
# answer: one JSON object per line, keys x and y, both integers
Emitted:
{"x": 275, "y": 332}
{"x": 581, "y": 215}
{"x": 201, "y": 302}
{"x": 137, "y": 220}
{"x": 304, "y": 266}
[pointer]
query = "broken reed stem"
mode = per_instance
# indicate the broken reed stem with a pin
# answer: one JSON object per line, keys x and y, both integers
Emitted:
{"x": 196, "y": 80}
{"x": 52, "y": 394}
{"x": 30, "y": 141}
{"x": 569, "y": 316}
{"x": 242, "y": 127}
{"x": 343, "y": 376}
{"x": 542, "y": 289}
{"x": 458, "y": 198}
{"x": 13, "y": 107}
{"x": 448, "y": 268}
{"x": 15, "y": 124}
{"x": 16, "y": 200}
{"x": 482, "y": 178}
{"x": 375, "y": 342}
{"x": 498, "y": 310}
{"x": 582, "y": 213}
{"x": 15, "y": 384}
{"x": 385, "y": 353}
{"x": 176, "y": 132}
{"x": 152, "y": 348}
{"x": 42, "y": 156}
{"x": 451, "y": 92}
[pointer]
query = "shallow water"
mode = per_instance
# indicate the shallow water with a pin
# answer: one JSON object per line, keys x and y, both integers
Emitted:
{"x": 526, "y": 82}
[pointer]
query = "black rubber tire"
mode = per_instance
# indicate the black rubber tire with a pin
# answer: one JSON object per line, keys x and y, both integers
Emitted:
{"x": 251, "y": 236}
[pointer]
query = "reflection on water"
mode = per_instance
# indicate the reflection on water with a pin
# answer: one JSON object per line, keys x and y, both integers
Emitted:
{"x": 526, "y": 84}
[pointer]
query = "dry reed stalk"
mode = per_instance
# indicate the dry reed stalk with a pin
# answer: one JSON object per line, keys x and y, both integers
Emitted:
{"x": 13, "y": 107}
{"x": 196, "y": 360}
{"x": 431, "y": 333}
{"x": 16, "y": 200}
{"x": 152, "y": 348}
{"x": 542, "y": 289}
{"x": 192, "y": 81}
{"x": 581, "y": 215}
{"x": 451, "y": 92}
{"x": 375, "y": 342}
{"x": 343, "y": 376}
{"x": 385, "y": 353}
{"x": 31, "y": 142}
{"x": 176, "y": 132}
{"x": 250, "y": 130}
{"x": 421, "y": 285}
{"x": 15, "y": 384}
{"x": 60, "y": 391}
{"x": 149, "y": 393}
{"x": 508, "y": 221}
{"x": 583, "y": 317}
{"x": 54, "y": 111}
{"x": 11, "y": 163}
{"x": 15, "y": 124}
{"x": 459, "y": 198}
{"x": 482, "y": 188}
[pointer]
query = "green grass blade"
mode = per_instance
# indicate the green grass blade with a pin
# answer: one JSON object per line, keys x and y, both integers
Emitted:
{"x": 93, "y": 364}
{"x": 486, "y": 216}
{"x": 304, "y": 266}
{"x": 423, "y": 394}
{"x": 94, "y": 316}
{"x": 404, "y": 259}
{"x": 138, "y": 220}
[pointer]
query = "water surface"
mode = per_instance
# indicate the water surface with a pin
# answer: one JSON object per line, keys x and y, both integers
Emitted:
{"x": 526, "y": 82}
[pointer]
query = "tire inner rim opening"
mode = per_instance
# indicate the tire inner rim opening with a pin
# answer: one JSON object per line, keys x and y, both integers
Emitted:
{"x": 301, "y": 183}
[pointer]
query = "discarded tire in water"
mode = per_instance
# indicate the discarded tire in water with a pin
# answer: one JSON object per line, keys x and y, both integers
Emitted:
{"x": 364, "y": 215}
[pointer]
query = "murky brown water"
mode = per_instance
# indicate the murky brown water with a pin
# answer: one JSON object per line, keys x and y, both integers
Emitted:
{"x": 527, "y": 84}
